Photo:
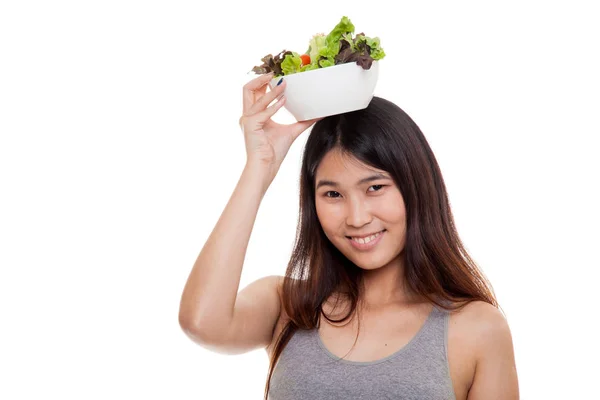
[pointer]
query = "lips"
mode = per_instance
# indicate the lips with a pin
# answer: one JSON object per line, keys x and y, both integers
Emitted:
{"x": 366, "y": 242}
{"x": 364, "y": 236}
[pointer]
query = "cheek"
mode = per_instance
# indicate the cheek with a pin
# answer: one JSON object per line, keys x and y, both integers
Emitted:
{"x": 393, "y": 214}
{"x": 322, "y": 215}
{"x": 391, "y": 210}
{"x": 329, "y": 216}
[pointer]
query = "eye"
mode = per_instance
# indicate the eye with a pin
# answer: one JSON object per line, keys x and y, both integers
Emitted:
{"x": 333, "y": 194}
{"x": 377, "y": 187}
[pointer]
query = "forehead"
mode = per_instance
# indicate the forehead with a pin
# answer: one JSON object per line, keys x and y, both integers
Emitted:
{"x": 341, "y": 167}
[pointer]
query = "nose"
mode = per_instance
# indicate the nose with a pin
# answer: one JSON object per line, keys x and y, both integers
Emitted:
{"x": 358, "y": 213}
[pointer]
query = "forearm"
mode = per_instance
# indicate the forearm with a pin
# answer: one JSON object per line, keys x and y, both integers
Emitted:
{"x": 211, "y": 289}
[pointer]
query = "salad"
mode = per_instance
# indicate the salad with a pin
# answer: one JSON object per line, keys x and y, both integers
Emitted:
{"x": 338, "y": 47}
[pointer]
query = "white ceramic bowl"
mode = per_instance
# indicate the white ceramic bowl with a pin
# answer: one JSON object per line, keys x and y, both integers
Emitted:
{"x": 329, "y": 91}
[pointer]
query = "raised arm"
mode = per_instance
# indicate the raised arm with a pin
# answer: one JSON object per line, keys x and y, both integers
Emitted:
{"x": 211, "y": 312}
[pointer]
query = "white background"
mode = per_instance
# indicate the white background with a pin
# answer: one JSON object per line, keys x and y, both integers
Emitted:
{"x": 120, "y": 146}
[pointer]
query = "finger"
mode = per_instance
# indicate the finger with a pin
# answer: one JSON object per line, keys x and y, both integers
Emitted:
{"x": 250, "y": 97}
{"x": 251, "y": 87}
{"x": 266, "y": 99}
{"x": 301, "y": 126}
{"x": 260, "y": 92}
{"x": 270, "y": 111}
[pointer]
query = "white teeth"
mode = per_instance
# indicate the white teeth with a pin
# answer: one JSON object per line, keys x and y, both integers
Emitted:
{"x": 367, "y": 239}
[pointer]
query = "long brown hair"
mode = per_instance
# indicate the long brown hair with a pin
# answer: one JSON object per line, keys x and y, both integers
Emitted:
{"x": 437, "y": 265}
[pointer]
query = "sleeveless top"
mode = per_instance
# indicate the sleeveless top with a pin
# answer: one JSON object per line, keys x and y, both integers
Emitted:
{"x": 418, "y": 371}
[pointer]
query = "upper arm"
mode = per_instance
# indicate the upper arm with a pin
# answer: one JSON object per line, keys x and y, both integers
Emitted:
{"x": 495, "y": 371}
{"x": 255, "y": 315}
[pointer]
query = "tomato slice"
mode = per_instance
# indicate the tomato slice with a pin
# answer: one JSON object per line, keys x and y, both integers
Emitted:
{"x": 305, "y": 59}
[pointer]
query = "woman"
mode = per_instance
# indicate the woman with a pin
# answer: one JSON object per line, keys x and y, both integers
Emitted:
{"x": 380, "y": 298}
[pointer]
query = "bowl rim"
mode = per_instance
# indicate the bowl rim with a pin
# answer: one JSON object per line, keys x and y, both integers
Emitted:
{"x": 324, "y": 69}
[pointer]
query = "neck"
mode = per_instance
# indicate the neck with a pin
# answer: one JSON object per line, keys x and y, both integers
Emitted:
{"x": 387, "y": 286}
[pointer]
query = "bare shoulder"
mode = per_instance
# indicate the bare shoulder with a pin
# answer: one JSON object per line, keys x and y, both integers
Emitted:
{"x": 274, "y": 282}
{"x": 266, "y": 286}
{"x": 480, "y": 318}
{"x": 483, "y": 324}
{"x": 481, "y": 349}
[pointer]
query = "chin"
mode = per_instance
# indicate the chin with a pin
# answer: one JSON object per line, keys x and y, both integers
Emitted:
{"x": 368, "y": 267}
{"x": 373, "y": 260}
{"x": 368, "y": 261}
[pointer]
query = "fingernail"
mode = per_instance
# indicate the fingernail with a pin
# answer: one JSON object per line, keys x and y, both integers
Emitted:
{"x": 279, "y": 83}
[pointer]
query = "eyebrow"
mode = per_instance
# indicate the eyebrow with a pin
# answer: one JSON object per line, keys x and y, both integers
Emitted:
{"x": 325, "y": 182}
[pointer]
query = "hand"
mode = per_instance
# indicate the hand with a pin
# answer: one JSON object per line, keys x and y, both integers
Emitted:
{"x": 267, "y": 142}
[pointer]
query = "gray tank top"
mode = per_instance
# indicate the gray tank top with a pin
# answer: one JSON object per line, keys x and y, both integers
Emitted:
{"x": 419, "y": 370}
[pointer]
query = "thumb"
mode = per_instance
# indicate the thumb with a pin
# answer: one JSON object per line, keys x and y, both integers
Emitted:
{"x": 301, "y": 126}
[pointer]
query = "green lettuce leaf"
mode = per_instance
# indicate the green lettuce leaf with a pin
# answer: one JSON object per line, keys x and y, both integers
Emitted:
{"x": 344, "y": 27}
{"x": 347, "y": 41}
{"x": 338, "y": 47}
{"x": 326, "y": 62}
{"x": 291, "y": 63}
{"x": 309, "y": 67}
{"x": 315, "y": 45}
{"x": 362, "y": 49}
{"x": 341, "y": 32}
{"x": 375, "y": 49}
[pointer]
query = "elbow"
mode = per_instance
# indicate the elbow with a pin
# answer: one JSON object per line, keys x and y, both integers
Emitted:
{"x": 192, "y": 327}
{"x": 199, "y": 332}
{"x": 186, "y": 323}
{"x": 191, "y": 322}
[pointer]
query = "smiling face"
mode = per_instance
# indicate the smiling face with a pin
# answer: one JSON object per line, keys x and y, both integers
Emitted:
{"x": 361, "y": 210}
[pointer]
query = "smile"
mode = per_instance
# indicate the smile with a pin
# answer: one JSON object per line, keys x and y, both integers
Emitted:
{"x": 364, "y": 243}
